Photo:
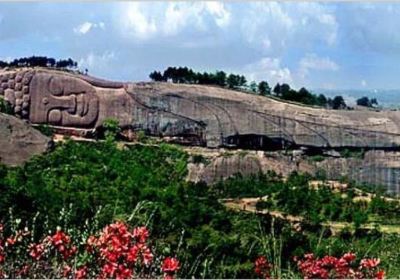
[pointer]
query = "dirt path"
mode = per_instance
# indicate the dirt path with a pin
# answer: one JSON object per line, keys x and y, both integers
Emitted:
{"x": 249, "y": 205}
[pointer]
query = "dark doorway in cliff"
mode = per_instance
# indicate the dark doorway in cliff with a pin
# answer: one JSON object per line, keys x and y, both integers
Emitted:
{"x": 256, "y": 142}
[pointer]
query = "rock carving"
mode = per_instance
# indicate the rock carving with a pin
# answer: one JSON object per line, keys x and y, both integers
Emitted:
{"x": 193, "y": 114}
{"x": 209, "y": 116}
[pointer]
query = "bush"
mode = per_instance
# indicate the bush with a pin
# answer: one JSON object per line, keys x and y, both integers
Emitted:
{"x": 5, "y": 107}
{"x": 45, "y": 129}
{"x": 115, "y": 252}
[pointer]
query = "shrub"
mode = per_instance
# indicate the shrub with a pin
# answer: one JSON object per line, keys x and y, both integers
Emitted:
{"x": 5, "y": 107}
{"x": 115, "y": 252}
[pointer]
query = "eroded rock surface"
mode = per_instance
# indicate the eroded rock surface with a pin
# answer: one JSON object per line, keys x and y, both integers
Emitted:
{"x": 19, "y": 141}
{"x": 212, "y": 117}
{"x": 381, "y": 168}
{"x": 204, "y": 115}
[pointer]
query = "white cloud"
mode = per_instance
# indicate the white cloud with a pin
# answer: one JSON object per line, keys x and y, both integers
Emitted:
{"x": 97, "y": 62}
{"x": 169, "y": 19}
{"x": 177, "y": 16}
{"x": 373, "y": 26}
{"x": 288, "y": 25}
{"x": 221, "y": 16}
{"x": 269, "y": 69}
{"x": 362, "y": 38}
{"x": 312, "y": 61}
{"x": 137, "y": 22}
{"x": 87, "y": 26}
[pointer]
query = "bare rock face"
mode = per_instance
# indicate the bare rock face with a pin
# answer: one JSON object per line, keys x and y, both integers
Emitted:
{"x": 376, "y": 167}
{"x": 209, "y": 116}
{"x": 19, "y": 141}
{"x": 221, "y": 164}
{"x": 212, "y": 117}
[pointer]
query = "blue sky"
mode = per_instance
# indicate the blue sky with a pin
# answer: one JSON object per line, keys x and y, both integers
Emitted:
{"x": 314, "y": 44}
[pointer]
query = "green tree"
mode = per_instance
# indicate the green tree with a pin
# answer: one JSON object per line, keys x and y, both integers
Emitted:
{"x": 242, "y": 81}
{"x": 321, "y": 100}
{"x": 220, "y": 78}
{"x": 233, "y": 81}
{"x": 282, "y": 90}
{"x": 338, "y": 103}
{"x": 156, "y": 76}
{"x": 366, "y": 102}
{"x": 263, "y": 88}
{"x": 253, "y": 87}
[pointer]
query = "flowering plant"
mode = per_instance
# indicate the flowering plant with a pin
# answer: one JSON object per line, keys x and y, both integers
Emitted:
{"x": 115, "y": 252}
{"x": 327, "y": 267}
{"x": 343, "y": 267}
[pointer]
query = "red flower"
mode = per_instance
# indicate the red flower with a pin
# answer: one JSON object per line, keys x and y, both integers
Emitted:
{"x": 349, "y": 257}
{"x": 60, "y": 238}
{"x": 148, "y": 256}
{"x": 329, "y": 261}
{"x": 380, "y": 274}
{"x": 92, "y": 241}
{"x": 109, "y": 270}
{"x": 133, "y": 254}
{"x": 331, "y": 267}
{"x": 262, "y": 267}
{"x": 11, "y": 241}
{"x": 36, "y": 251}
{"x": 369, "y": 263}
{"x": 81, "y": 273}
{"x": 66, "y": 271}
{"x": 123, "y": 272}
{"x": 141, "y": 234}
{"x": 170, "y": 265}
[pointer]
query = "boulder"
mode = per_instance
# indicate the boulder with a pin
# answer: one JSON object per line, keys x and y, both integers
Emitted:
{"x": 19, "y": 141}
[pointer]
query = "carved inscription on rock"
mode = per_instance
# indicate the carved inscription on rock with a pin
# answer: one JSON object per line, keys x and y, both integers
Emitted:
{"x": 62, "y": 100}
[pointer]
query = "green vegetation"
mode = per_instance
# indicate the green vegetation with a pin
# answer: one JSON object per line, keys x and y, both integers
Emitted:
{"x": 111, "y": 129}
{"x": 42, "y": 61}
{"x": 366, "y": 102}
{"x": 5, "y": 107}
{"x": 353, "y": 153}
{"x": 186, "y": 75}
{"x": 45, "y": 129}
{"x": 316, "y": 158}
{"x": 198, "y": 158}
{"x": 305, "y": 97}
{"x": 296, "y": 197}
{"x": 146, "y": 185}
